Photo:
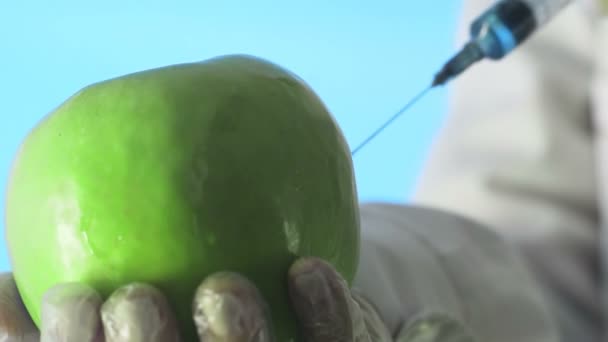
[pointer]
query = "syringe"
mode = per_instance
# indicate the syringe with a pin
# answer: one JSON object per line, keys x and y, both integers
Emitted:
{"x": 494, "y": 34}
{"x": 500, "y": 30}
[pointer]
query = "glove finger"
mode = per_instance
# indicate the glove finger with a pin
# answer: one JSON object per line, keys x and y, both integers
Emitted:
{"x": 228, "y": 307}
{"x": 322, "y": 302}
{"x": 375, "y": 328}
{"x": 138, "y": 313}
{"x": 70, "y": 313}
{"x": 15, "y": 323}
{"x": 360, "y": 329}
{"x": 435, "y": 327}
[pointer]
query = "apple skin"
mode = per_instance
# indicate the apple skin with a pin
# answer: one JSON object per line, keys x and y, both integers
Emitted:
{"x": 168, "y": 175}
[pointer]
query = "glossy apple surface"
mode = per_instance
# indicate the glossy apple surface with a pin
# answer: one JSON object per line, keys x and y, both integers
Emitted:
{"x": 168, "y": 175}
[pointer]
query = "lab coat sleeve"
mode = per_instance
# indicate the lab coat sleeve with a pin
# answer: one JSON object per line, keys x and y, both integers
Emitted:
{"x": 517, "y": 153}
{"x": 418, "y": 261}
{"x": 599, "y": 100}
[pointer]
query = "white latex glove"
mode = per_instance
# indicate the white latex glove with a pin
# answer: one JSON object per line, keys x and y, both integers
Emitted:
{"x": 227, "y": 307}
{"x": 74, "y": 312}
{"x": 15, "y": 323}
{"x": 330, "y": 312}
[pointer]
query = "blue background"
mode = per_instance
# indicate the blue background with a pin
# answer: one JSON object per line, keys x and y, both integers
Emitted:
{"x": 363, "y": 58}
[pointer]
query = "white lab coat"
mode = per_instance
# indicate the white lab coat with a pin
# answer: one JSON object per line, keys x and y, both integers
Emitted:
{"x": 523, "y": 152}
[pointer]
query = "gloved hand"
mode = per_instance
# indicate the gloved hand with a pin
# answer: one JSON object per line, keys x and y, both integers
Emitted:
{"x": 15, "y": 323}
{"x": 75, "y": 312}
{"x": 331, "y": 312}
{"x": 227, "y": 307}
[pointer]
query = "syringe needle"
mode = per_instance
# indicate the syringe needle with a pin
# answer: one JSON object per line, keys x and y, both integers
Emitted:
{"x": 390, "y": 120}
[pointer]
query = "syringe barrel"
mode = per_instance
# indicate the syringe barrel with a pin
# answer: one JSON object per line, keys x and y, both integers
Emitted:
{"x": 509, "y": 23}
{"x": 499, "y": 31}
{"x": 545, "y": 10}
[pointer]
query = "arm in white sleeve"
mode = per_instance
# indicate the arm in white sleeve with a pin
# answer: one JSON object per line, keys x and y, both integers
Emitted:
{"x": 518, "y": 154}
{"x": 599, "y": 100}
{"x": 417, "y": 262}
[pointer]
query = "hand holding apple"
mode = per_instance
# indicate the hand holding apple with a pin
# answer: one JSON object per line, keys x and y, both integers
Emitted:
{"x": 226, "y": 307}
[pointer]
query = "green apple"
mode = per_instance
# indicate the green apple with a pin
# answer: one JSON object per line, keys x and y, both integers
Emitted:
{"x": 168, "y": 175}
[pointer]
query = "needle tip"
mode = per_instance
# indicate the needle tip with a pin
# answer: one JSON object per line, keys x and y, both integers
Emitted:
{"x": 391, "y": 120}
